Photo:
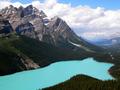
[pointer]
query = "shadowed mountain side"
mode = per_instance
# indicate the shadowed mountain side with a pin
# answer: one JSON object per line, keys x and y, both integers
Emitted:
{"x": 45, "y": 54}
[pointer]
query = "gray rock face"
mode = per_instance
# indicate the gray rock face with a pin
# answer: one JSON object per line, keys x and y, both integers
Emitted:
{"x": 26, "y": 29}
{"x": 9, "y": 10}
{"x": 25, "y": 21}
{"x": 5, "y": 27}
{"x": 60, "y": 31}
{"x": 25, "y": 63}
{"x": 11, "y": 14}
{"x": 39, "y": 27}
{"x": 14, "y": 14}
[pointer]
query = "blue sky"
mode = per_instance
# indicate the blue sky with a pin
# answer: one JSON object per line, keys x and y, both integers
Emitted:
{"x": 108, "y": 4}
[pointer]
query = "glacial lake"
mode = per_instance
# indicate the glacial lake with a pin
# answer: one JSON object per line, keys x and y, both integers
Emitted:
{"x": 54, "y": 74}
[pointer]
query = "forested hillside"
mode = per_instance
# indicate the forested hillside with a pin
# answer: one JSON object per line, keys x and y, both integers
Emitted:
{"x": 82, "y": 82}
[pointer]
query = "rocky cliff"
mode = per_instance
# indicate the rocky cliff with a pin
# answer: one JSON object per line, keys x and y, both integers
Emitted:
{"x": 5, "y": 27}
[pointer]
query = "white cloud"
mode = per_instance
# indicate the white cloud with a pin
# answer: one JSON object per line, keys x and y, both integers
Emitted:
{"x": 84, "y": 20}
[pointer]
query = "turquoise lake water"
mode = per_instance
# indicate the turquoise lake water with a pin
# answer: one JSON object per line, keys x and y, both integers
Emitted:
{"x": 54, "y": 74}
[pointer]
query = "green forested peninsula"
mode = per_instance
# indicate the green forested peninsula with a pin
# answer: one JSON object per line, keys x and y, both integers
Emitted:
{"x": 82, "y": 82}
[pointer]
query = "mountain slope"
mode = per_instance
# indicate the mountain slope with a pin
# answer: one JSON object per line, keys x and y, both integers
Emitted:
{"x": 11, "y": 60}
{"x": 31, "y": 22}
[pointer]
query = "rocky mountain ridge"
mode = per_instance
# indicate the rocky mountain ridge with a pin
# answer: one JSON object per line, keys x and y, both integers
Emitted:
{"x": 33, "y": 23}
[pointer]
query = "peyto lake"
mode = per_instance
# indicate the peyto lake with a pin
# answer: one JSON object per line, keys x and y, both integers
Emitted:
{"x": 54, "y": 74}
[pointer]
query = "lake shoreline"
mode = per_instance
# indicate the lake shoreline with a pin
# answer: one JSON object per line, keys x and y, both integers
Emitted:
{"x": 48, "y": 76}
